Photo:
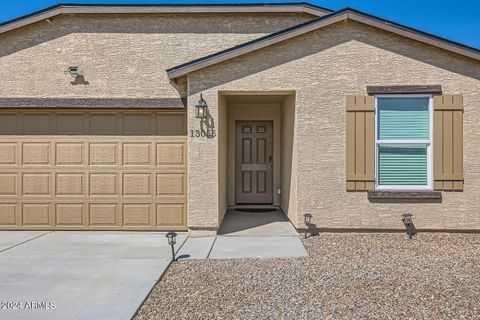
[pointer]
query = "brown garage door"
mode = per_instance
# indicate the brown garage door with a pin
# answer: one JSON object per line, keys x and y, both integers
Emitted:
{"x": 92, "y": 170}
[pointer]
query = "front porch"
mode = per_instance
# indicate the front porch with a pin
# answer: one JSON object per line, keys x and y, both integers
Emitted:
{"x": 253, "y": 146}
{"x": 251, "y": 234}
{"x": 246, "y": 222}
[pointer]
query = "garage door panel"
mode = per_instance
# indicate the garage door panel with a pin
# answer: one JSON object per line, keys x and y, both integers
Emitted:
{"x": 69, "y": 153}
{"x": 38, "y": 123}
{"x": 70, "y": 184}
{"x": 138, "y": 215}
{"x": 137, "y": 184}
{"x": 36, "y": 184}
{"x": 9, "y": 123}
{"x": 137, "y": 124}
{"x": 70, "y": 215}
{"x": 103, "y": 214}
{"x": 123, "y": 177}
{"x": 103, "y": 153}
{"x": 170, "y": 184}
{"x": 171, "y": 154}
{"x": 36, "y": 214}
{"x": 103, "y": 184}
{"x": 8, "y": 154}
{"x": 101, "y": 123}
{"x": 137, "y": 154}
{"x": 8, "y": 184}
{"x": 36, "y": 153}
{"x": 70, "y": 123}
{"x": 172, "y": 214}
{"x": 104, "y": 124}
{"x": 9, "y": 215}
{"x": 174, "y": 124}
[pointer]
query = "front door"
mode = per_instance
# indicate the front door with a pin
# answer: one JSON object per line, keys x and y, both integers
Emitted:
{"x": 254, "y": 162}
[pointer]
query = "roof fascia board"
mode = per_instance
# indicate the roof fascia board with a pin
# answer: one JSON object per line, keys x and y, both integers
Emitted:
{"x": 30, "y": 20}
{"x": 139, "y": 9}
{"x": 193, "y": 9}
{"x": 318, "y": 23}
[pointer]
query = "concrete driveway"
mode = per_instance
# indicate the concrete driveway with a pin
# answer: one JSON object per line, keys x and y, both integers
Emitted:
{"x": 79, "y": 275}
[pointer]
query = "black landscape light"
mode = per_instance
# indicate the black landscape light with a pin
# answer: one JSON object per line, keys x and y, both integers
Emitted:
{"x": 407, "y": 219}
{"x": 202, "y": 108}
{"x": 308, "y": 220}
{"x": 172, "y": 239}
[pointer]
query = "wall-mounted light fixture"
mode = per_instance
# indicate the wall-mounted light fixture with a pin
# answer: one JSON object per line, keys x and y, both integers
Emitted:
{"x": 74, "y": 72}
{"x": 201, "y": 108}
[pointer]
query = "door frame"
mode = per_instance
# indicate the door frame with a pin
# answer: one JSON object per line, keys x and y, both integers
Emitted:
{"x": 270, "y": 179}
{"x": 252, "y": 111}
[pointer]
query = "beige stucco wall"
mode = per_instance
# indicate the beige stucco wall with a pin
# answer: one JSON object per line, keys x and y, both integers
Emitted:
{"x": 125, "y": 56}
{"x": 120, "y": 55}
{"x": 323, "y": 67}
{"x": 223, "y": 172}
{"x": 289, "y": 159}
{"x": 204, "y": 205}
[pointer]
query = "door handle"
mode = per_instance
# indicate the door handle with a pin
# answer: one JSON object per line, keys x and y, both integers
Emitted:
{"x": 270, "y": 162}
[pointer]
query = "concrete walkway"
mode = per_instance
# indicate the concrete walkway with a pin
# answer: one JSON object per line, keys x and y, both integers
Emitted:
{"x": 248, "y": 235}
{"x": 80, "y": 275}
{"x": 107, "y": 275}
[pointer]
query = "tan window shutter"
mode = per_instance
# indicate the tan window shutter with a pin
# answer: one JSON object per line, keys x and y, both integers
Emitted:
{"x": 360, "y": 143}
{"x": 448, "y": 142}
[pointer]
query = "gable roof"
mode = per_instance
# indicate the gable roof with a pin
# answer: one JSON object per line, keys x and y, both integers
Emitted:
{"x": 318, "y": 23}
{"x": 75, "y": 8}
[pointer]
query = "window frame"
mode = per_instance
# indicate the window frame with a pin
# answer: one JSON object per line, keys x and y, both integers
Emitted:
{"x": 406, "y": 144}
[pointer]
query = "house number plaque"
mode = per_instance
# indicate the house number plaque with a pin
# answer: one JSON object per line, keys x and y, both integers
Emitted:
{"x": 204, "y": 133}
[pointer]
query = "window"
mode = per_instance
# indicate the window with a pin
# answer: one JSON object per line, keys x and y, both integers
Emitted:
{"x": 403, "y": 142}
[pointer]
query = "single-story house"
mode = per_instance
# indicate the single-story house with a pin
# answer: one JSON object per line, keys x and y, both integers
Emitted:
{"x": 164, "y": 117}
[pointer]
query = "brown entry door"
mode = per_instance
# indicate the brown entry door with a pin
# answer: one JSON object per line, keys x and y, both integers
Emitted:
{"x": 254, "y": 162}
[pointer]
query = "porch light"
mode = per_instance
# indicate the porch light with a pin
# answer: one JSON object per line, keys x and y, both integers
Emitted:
{"x": 308, "y": 220}
{"x": 172, "y": 239}
{"x": 202, "y": 108}
{"x": 407, "y": 219}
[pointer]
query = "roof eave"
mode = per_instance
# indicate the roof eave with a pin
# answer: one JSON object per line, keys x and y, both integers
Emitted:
{"x": 165, "y": 8}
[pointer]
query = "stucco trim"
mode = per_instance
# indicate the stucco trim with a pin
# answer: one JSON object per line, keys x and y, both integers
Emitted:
{"x": 75, "y": 8}
{"x": 404, "y": 195}
{"x": 93, "y": 103}
{"x": 315, "y": 24}
{"x": 434, "y": 89}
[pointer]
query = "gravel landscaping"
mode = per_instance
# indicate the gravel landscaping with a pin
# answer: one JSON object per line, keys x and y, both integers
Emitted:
{"x": 347, "y": 276}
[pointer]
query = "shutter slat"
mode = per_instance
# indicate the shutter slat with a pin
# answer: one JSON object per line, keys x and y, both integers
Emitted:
{"x": 359, "y": 142}
{"x": 457, "y": 143}
{"x": 447, "y": 142}
{"x": 437, "y": 147}
{"x": 370, "y": 149}
{"x": 350, "y": 143}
